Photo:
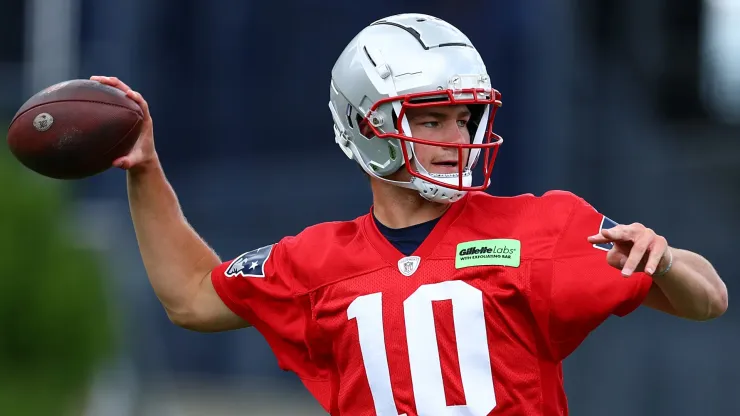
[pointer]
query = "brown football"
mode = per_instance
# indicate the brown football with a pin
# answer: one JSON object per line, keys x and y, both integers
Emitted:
{"x": 74, "y": 129}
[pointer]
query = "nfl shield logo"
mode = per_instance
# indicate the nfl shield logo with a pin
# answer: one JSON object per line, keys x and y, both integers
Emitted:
{"x": 408, "y": 265}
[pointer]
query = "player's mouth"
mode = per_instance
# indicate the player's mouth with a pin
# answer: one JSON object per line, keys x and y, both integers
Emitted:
{"x": 445, "y": 166}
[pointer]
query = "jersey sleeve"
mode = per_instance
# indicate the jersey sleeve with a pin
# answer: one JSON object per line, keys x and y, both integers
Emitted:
{"x": 260, "y": 287}
{"x": 585, "y": 290}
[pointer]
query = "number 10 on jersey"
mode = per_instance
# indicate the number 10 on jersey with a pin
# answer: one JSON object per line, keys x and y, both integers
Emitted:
{"x": 424, "y": 361}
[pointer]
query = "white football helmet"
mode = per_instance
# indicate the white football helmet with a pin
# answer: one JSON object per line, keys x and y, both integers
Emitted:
{"x": 405, "y": 61}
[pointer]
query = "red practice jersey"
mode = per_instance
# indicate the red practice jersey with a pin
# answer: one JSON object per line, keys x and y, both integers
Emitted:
{"x": 475, "y": 322}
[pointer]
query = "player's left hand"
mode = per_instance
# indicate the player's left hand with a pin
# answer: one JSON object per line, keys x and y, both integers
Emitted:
{"x": 636, "y": 248}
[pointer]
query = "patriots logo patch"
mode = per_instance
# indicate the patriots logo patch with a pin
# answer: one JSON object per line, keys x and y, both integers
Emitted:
{"x": 250, "y": 264}
{"x": 606, "y": 223}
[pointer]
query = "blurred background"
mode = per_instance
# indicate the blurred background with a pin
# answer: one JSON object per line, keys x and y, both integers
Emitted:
{"x": 632, "y": 104}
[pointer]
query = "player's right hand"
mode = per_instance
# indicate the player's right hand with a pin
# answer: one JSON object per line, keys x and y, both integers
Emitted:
{"x": 143, "y": 153}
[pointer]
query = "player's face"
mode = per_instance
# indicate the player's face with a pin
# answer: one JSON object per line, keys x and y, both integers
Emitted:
{"x": 443, "y": 124}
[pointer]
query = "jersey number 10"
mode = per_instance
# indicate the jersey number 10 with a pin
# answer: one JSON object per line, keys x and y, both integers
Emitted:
{"x": 426, "y": 369}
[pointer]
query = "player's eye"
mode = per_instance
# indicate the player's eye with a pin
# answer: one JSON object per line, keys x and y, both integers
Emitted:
{"x": 431, "y": 124}
{"x": 462, "y": 123}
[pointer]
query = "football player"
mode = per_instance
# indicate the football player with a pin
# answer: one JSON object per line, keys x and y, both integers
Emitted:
{"x": 442, "y": 299}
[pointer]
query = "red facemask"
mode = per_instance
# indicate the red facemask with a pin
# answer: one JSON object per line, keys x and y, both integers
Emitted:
{"x": 488, "y": 143}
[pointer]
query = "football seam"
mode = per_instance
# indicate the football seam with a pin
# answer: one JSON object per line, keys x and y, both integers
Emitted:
{"x": 74, "y": 101}
{"x": 124, "y": 137}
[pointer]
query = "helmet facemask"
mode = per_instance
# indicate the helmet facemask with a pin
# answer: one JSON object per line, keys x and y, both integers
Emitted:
{"x": 439, "y": 187}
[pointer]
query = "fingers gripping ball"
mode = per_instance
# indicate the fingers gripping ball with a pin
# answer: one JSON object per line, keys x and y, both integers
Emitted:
{"x": 74, "y": 129}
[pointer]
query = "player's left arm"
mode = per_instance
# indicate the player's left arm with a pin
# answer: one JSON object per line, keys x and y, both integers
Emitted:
{"x": 684, "y": 283}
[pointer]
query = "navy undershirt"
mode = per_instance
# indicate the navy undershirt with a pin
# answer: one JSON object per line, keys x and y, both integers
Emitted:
{"x": 408, "y": 239}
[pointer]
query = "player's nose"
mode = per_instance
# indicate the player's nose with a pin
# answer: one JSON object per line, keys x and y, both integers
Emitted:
{"x": 456, "y": 135}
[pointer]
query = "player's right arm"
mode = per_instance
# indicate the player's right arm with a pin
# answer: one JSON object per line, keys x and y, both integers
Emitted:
{"x": 202, "y": 293}
{"x": 177, "y": 260}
